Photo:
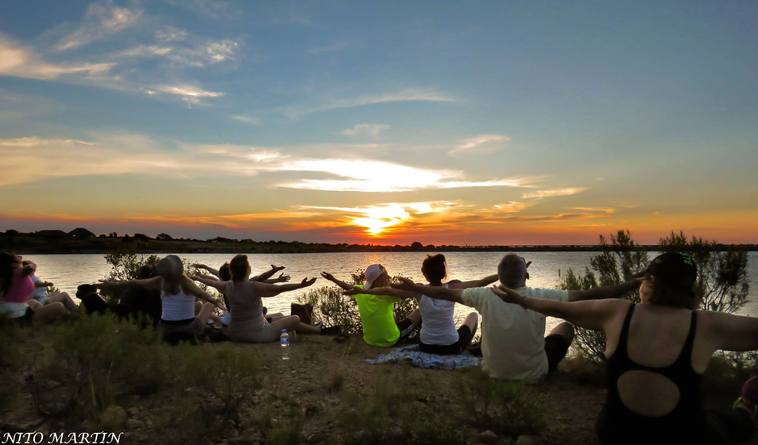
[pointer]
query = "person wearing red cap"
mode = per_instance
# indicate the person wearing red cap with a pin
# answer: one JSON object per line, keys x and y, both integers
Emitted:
{"x": 657, "y": 352}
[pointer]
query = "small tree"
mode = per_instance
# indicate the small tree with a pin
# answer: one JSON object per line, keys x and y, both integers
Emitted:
{"x": 722, "y": 282}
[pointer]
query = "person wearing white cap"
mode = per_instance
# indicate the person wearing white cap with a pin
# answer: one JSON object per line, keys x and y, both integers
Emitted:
{"x": 377, "y": 311}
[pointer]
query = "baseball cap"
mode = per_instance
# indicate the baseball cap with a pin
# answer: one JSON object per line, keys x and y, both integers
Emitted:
{"x": 373, "y": 272}
{"x": 675, "y": 269}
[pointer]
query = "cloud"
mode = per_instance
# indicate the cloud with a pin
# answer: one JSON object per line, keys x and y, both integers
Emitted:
{"x": 361, "y": 175}
{"x": 407, "y": 95}
{"x": 511, "y": 207}
{"x": 100, "y": 21}
{"x": 482, "y": 144}
{"x": 380, "y": 218}
{"x": 370, "y": 130}
{"x": 566, "y": 191}
{"x": 190, "y": 94}
{"x": 18, "y": 61}
{"x": 206, "y": 53}
{"x": 330, "y": 48}
{"x": 170, "y": 34}
{"x": 247, "y": 119}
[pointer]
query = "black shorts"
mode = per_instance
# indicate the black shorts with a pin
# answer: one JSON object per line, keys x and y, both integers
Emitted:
{"x": 464, "y": 339}
{"x": 556, "y": 347}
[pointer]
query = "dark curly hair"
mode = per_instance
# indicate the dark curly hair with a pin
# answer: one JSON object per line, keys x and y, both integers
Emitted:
{"x": 434, "y": 268}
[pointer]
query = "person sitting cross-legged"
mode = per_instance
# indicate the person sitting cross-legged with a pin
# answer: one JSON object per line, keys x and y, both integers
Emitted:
{"x": 378, "y": 311}
{"x": 514, "y": 345}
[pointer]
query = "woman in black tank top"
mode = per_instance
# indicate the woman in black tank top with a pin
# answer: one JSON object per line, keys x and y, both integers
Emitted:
{"x": 663, "y": 404}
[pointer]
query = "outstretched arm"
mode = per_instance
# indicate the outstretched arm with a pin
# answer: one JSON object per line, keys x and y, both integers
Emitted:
{"x": 282, "y": 278}
{"x": 339, "y": 283}
{"x": 605, "y": 292}
{"x": 391, "y": 291}
{"x": 148, "y": 283}
{"x": 190, "y": 287}
{"x": 731, "y": 332}
{"x": 208, "y": 269}
{"x": 486, "y": 281}
{"x": 439, "y": 292}
{"x": 271, "y": 290}
{"x": 209, "y": 281}
{"x": 592, "y": 314}
{"x": 268, "y": 274}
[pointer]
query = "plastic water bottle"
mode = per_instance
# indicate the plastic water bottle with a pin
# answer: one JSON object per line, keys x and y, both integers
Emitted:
{"x": 284, "y": 341}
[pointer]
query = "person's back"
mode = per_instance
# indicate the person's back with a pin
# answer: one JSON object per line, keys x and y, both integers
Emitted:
{"x": 378, "y": 319}
{"x": 244, "y": 305}
{"x": 438, "y": 327}
{"x": 513, "y": 343}
{"x": 654, "y": 375}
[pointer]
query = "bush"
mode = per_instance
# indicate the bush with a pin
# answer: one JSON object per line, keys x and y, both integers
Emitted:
{"x": 125, "y": 265}
{"x": 94, "y": 360}
{"x": 722, "y": 282}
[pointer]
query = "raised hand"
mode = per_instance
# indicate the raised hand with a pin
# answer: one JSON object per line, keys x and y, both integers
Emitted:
{"x": 507, "y": 295}
{"x": 277, "y": 268}
{"x": 353, "y": 291}
{"x": 328, "y": 276}
{"x": 307, "y": 282}
{"x": 283, "y": 278}
{"x": 403, "y": 283}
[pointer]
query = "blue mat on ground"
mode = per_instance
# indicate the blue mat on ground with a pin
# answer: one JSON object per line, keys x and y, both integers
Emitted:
{"x": 411, "y": 354}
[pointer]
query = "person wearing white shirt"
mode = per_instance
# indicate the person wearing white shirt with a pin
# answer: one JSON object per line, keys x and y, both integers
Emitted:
{"x": 514, "y": 345}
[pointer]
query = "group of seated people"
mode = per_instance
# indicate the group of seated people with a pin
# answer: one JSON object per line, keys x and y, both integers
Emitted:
{"x": 656, "y": 351}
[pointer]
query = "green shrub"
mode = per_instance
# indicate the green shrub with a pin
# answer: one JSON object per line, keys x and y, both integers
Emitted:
{"x": 125, "y": 265}
{"x": 332, "y": 308}
{"x": 94, "y": 360}
{"x": 722, "y": 282}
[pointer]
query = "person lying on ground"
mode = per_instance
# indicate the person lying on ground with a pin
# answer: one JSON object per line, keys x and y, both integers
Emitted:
{"x": 248, "y": 323}
{"x": 656, "y": 353}
{"x": 438, "y": 332}
{"x": 16, "y": 288}
{"x": 514, "y": 345}
{"x": 178, "y": 294}
{"x": 44, "y": 297}
{"x": 377, "y": 312}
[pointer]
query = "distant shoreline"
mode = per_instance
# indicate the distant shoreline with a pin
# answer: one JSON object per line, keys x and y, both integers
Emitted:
{"x": 81, "y": 241}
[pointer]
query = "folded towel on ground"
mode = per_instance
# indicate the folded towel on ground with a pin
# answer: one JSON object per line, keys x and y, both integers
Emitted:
{"x": 411, "y": 354}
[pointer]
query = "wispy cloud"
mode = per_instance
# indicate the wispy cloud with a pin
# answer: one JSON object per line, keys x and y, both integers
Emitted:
{"x": 371, "y": 130}
{"x": 407, "y": 95}
{"x": 206, "y": 53}
{"x": 566, "y": 191}
{"x": 482, "y": 144}
{"x": 247, "y": 119}
{"x": 170, "y": 34}
{"x": 192, "y": 95}
{"x": 101, "y": 20}
{"x": 360, "y": 175}
{"x": 18, "y": 61}
{"x": 330, "y": 48}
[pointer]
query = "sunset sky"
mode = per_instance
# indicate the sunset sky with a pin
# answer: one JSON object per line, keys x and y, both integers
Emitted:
{"x": 381, "y": 122}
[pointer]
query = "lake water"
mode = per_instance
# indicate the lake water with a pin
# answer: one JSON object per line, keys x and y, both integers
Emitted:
{"x": 68, "y": 271}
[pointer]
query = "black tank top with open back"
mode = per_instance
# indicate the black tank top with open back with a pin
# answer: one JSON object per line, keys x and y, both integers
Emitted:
{"x": 619, "y": 424}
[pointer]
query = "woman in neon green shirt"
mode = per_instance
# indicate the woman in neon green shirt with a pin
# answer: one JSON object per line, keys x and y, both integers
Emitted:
{"x": 377, "y": 311}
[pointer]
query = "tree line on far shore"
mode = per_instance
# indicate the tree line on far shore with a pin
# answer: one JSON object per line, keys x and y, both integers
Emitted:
{"x": 81, "y": 240}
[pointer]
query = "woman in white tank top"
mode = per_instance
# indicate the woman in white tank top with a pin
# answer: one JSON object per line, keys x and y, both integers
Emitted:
{"x": 438, "y": 332}
{"x": 179, "y": 315}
